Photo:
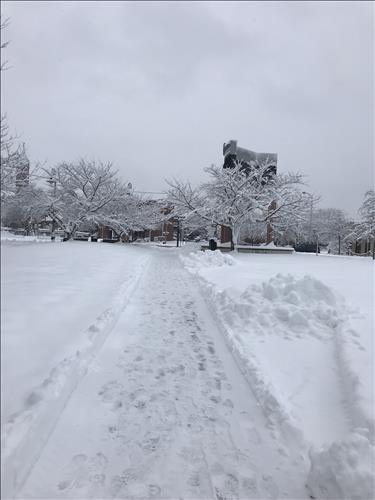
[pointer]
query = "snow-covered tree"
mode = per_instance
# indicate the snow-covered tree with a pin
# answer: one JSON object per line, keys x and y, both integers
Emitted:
{"x": 133, "y": 213}
{"x": 235, "y": 196}
{"x": 25, "y": 209}
{"x": 13, "y": 162}
{"x": 366, "y": 227}
{"x": 9, "y": 148}
{"x": 332, "y": 226}
{"x": 81, "y": 192}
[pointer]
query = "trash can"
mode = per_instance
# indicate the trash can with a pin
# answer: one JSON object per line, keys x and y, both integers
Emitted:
{"x": 212, "y": 244}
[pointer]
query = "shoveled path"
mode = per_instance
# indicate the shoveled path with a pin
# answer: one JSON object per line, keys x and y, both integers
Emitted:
{"x": 164, "y": 411}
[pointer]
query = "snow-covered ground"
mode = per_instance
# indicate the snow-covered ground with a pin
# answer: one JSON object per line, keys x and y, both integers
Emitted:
{"x": 53, "y": 298}
{"x": 117, "y": 380}
{"x": 160, "y": 410}
{"x": 301, "y": 327}
{"x": 59, "y": 302}
{"x": 7, "y": 236}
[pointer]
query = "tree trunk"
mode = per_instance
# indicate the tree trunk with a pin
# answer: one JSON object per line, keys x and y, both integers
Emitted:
{"x": 235, "y": 232}
{"x": 231, "y": 241}
{"x": 269, "y": 237}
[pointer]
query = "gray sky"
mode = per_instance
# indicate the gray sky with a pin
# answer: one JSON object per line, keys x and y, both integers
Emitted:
{"x": 157, "y": 88}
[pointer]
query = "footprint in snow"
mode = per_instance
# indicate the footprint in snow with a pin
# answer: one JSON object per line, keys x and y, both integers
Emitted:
{"x": 97, "y": 467}
{"x": 228, "y": 403}
{"x": 154, "y": 490}
{"x": 254, "y": 436}
{"x": 249, "y": 486}
{"x": 211, "y": 349}
{"x": 75, "y": 473}
{"x": 226, "y": 487}
{"x": 270, "y": 486}
{"x": 110, "y": 391}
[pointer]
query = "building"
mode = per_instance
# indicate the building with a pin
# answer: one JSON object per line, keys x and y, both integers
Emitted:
{"x": 363, "y": 247}
{"x": 159, "y": 229}
{"x": 249, "y": 160}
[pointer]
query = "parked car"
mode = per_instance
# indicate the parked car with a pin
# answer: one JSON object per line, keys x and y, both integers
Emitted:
{"x": 81, "y": 236}
{"x": 306, "y": 247}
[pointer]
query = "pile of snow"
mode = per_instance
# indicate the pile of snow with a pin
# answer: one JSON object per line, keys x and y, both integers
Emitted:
{"x": 282, "y": 332}
{"x": 344, "y": 469}
{"x": 286, "y": 306}
{"x": 6, "y": 236}
{"x": 196, "y": 260}
{"x": 293, "y": 339}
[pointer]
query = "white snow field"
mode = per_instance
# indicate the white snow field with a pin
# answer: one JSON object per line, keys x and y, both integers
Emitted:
{"x": 302, "y": 328}
{"x": 59, "y": 302}
{"x": 133, "y": 371}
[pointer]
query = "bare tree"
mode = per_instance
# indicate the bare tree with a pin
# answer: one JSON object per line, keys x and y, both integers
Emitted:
{"x": 4, "y": 23}
{"x": 13, "y": 157}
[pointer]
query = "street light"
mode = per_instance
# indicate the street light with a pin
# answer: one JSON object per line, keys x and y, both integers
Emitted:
{"x": 53, "y": 181}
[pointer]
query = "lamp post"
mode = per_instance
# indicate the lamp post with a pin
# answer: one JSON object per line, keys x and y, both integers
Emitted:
{"x": 51, "y": 181}
{"x": 178, "y": 231}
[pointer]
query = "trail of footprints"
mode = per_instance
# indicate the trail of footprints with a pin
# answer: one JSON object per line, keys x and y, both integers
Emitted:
{"x": 157, "y": 394}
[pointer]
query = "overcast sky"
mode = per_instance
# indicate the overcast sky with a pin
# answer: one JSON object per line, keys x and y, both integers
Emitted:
{"x": 156, "y": 88}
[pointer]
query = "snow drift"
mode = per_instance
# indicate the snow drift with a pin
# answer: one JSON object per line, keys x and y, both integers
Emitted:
{"x": 291, "y": 337}
{"x": 343, "y": 469}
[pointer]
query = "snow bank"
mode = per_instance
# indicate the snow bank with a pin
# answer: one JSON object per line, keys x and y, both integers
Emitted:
{"x": 344, "y": 469}
{"x": 197, "y": 260}
{"x": 293, "y": 339}
{"x": 7, "y": 237}
{"x": 280, "y": 330}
